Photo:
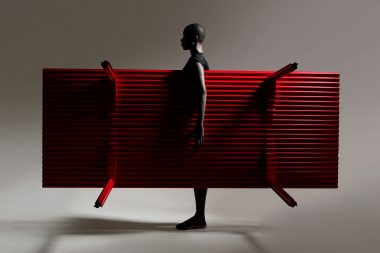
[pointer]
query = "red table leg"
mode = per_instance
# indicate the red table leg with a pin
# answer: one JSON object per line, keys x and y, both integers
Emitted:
{"x": 104, "y": 194}
{"x": 112, "y": 78}
{"x": 270, "y": 87}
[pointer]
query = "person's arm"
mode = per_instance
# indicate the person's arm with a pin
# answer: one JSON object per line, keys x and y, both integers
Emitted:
{"x": 202, "y": 93}
{"x": 198, "y": 132}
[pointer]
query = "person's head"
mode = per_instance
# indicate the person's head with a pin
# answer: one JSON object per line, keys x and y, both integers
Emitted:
{"x": 192, "y": 35}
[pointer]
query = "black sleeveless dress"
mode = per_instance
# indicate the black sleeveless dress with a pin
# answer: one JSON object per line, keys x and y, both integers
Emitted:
{"x": 189, "y": 79}
{"x": 199, "y": 57}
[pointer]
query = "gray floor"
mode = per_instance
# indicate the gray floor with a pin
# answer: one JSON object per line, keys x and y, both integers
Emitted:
{"x": 143, "y": 220}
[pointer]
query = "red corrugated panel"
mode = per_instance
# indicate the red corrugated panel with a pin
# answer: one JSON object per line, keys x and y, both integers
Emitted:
{"x": 143, "y": 127}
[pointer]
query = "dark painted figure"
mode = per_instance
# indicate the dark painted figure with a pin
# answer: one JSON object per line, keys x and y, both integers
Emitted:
{"x": 193, "y": 37}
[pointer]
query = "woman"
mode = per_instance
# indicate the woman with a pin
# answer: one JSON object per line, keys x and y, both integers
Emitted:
{"x": 193, "y": 37}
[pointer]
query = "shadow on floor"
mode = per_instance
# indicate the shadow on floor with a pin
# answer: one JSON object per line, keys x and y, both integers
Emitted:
{"x": 99, "y": 226}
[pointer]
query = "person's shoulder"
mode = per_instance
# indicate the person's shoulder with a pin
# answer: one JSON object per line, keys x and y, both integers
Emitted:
{"x": 192, "y": 62}
{"x": 201, "y": 58}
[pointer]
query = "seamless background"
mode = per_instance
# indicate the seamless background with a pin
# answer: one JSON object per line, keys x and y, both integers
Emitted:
{"x": 327, "y": 35}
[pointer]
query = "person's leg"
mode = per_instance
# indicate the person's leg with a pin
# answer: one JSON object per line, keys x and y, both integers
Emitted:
{"x": 198, "y": 220}
{"x": 200, "y": 201}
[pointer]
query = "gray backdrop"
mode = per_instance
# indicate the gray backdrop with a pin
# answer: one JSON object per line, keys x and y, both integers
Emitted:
{"x": 330, "y": 35}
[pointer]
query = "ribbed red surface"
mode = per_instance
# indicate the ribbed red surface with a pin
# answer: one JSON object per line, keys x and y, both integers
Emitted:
{"x": 154, "y": 112}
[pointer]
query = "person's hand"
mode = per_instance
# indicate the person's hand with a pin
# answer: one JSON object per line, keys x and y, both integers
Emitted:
{"x": 198, "y": 134}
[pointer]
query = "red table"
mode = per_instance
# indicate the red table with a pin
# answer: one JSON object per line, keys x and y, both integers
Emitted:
{"x": 127, "y": 128}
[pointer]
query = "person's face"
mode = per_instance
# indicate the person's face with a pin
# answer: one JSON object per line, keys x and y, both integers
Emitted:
{"x": 187, "y": 41}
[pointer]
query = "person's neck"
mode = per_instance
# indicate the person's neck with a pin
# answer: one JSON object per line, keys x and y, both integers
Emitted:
{"x": 196, "y": 50}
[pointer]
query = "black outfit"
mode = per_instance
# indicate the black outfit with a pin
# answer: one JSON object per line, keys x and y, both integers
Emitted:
{"x": 189, "y": 79}
{"x": 199, "y": 57}
{"x": 198, "y": 220}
